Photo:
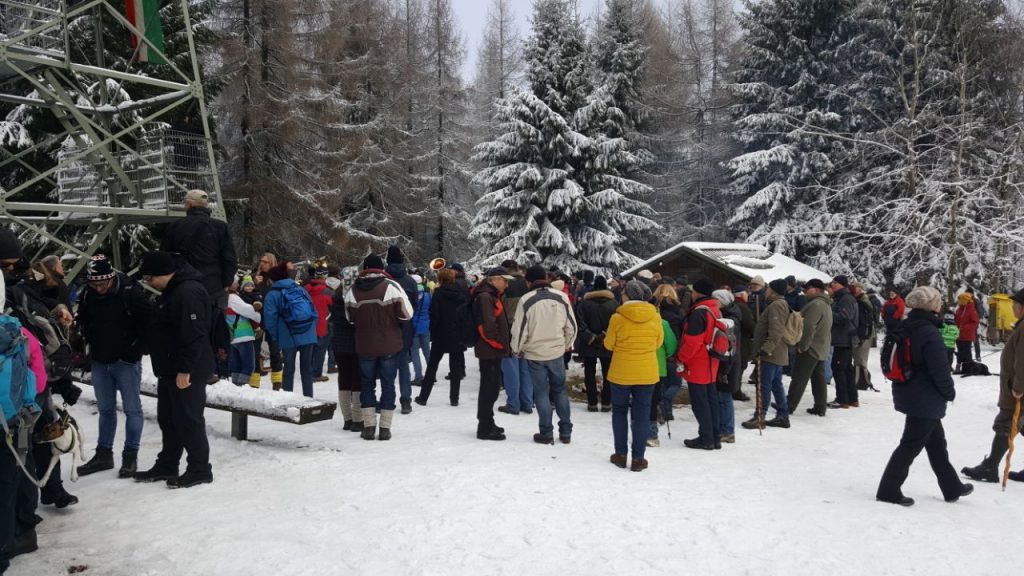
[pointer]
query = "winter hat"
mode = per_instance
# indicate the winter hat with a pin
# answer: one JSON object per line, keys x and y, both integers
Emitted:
{"x": 247, "y": 281}
{"x": 333, "y": 283}
{"x": 373, "y": 262}
{"x": 279, "y": 272}
{"x": 536, "y": 273}
{"x": 724, "y": 297}
{"x": 10, "y": 246}
{"x": 683, "y": 280}
{"x": 757, "y": 281}
{"x": 645, "y": 275}
{"x": 395, "y": 255}
{"x": 1018, "y": 297}
{"x": 99, "y": 269}
{"x": 924, "y": 298}
{"x": 704, "y": 287}
{"x": 637, "y": 290}
{"x": 949, "y": 317}
{"x": 791, "y": 281}
{"x": 842, "y": 280}
{"x": 778, "y": 286}
{"x": 600, "y": 283}
{"x": 320, "y": 272}
{"x": 814, "y": 283}
{"x": 157, "y": 263}
{"x": 499, "y": 271}
{"x": 457, "y": 267}
{"x": 739, "y": 288}
{"x": 509, "y": 264}
{"x": 965, "y": 299}
{"x": 588, "y": 276}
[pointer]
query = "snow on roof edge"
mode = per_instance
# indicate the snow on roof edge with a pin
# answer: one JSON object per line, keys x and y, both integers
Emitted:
{"x": 781, "y": 265}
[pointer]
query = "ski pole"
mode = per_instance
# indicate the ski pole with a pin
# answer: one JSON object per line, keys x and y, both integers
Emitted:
{"x": 1013, "y": 434}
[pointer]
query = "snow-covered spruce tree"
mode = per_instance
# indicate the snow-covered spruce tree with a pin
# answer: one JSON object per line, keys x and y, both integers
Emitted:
{"x": 786, "y": 81}
{"x": 937, "y": 154}
{"x": 557, "y": 57}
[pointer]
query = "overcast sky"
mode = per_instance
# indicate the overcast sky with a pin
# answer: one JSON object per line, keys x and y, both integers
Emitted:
{"x": 472, "y": 16}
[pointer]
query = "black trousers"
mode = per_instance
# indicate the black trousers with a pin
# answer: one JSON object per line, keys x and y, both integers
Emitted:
{"x": 590, "y": 380}
{"x": 920, "y": 434}
{"x": 10, "y": 481}
{"x": 490, "y": 384}
{"x": 963, "y": 352}
{"x": 182, "y": 424}
{"x": 456, "y": 366}
{"x": 842, "y": 371}
{"x": 808, "y": 369}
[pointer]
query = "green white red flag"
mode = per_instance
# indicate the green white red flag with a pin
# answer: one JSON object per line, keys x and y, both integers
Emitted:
{"x": 145, "y": 15}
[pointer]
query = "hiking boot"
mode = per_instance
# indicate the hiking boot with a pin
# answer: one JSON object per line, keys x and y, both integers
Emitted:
{"x": 1017, "y": 476}
{"x": 753, "y": 424}
{"x": 384, "y": 434}
{"x": 778, "y": 422}
{"x": 24, "y": 543}
{"x": 416, "y": 382}
{"x": 156, "y": 474}
{"x": 62, "y": 499}
{"x": 322, "y": 379}
{"x": 368, "y": 433}
{"x": 357, "y": 426}
{"x": 129, "y": 462}
{"x": 507, "y": 410}
{"x": 526, "y": 410}
{"x": 606, "y": 408}
{"x": 696, "y": 444}
{"x": 566, "y": 439}
{"x": 592, "y": 408}
{"x": 728, "y": 438}
{"x": 419, "y": 401}
{"x": 854, "y": 404}
{"x": 740, "y": 397}
{"x": 902, "y": 501}
{"x": 103, "y": 460}
{"x": 542, "y": 439}
{"x": 190, "y": 479}
{"x": 965, "y": 490}
{"x": 406, "y": 406}
{"x": 494, "y": 434}
{"x": 347, "y": 426}
{"x": 619, "y": 460}
{"x": 983, "y": 472}
{"x": 638, "y": 465}
{"x": 816, "y": 411}
{"x": 653, "y": 443}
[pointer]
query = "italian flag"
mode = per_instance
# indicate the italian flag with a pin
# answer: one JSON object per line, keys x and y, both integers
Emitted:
{"x": 145, "y": 15}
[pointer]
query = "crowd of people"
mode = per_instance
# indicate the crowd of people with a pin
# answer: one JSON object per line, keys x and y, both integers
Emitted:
{"x": 385, "y": 320}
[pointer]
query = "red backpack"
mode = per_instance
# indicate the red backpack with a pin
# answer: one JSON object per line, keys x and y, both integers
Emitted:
{"x": 721, "y": 343}
{"x": 896, "y": 360}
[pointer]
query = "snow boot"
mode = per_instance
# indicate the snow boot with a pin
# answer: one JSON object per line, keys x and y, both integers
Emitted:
{"x": 778, "y": 422}
{"x": 369, "y": 430}
{"x": 345, "y": 405}
{"x": 129, "y": 462}
{"x": 988, "y": 470}
{"x": 619, "y": 460}
{"x": 357, "y": 411}
{"x": 966, "y": 490}
{"x": 103, "y": 460}
{"x": 638, "y": 465}
{"x": 190, "y": 479}
{"x": 386, "y": 416}
{"x": 406, "y": 406}
{"x": 156, "y": 474}
{"x": 254, "y": 380}
{"x": 24, "y": 543}
{"x": 276, "y": 378}
{"x": 902, "y": 501}
{"x": 1017, "y": 476}
{"x": 61, "y": 499}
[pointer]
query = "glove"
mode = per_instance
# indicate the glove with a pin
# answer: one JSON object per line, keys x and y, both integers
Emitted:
{"x": 70, "y": 393}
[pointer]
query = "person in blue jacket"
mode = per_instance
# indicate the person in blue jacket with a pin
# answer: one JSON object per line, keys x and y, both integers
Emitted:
{"x": 923, "y": 399}
{"x": 292, "y": 343}
{"x": 421, "y": 323}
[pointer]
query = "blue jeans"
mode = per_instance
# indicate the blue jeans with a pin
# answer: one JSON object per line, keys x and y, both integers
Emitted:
{"x": 518, "y": 385}
{"x": 771, "y": 385}
{"x": 385, "y": 368}
{"x": 404, "y": 379}
{"x": 641, "y": 396}
{"x": 107, "y": 381}
{"x": 727, "y": 418}
{"x": 305, "y": 368}
{"x": 704, "y": 402}
{"x": 242, "y": 362}
{"x": 828, "y": 367}
{"x": 548, "y": 379}
{"x": 420, "y": 344}
{"x": 323, "y": 344}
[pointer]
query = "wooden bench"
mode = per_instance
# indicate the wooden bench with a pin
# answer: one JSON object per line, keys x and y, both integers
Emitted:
{"x": 307, "y": 412}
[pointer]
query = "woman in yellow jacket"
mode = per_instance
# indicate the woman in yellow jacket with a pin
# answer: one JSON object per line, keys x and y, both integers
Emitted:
{"x": 634, "y": 335}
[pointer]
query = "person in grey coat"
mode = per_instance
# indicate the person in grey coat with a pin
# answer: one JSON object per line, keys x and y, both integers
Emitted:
{"x": 844, "y": 340}
{"x": 812, "y": 350}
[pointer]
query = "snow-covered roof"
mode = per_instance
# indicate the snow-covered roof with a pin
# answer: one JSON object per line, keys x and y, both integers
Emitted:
{"x": 747, "y": 260}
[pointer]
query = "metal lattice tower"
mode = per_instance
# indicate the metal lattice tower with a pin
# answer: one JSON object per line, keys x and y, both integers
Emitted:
{"x": 118, "y": 163}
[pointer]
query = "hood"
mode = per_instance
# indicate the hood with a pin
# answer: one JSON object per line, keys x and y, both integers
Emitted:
{"x": 187, "y": 272}
{"x": 396, "y": 271}
{"x": 486, "y": 287}
{"x": 638, "y": 312}
{"x": 368, "y": 279}
{"x": 449, "y": 292}
{"x": 316, "y": 287}
{"x": 599, "y": 294}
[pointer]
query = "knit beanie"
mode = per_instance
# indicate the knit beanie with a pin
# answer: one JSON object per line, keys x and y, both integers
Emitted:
{"x": 247, "y": 281}
{"x": 924, "y": 298}
{"x": 757, "y": 281}
{"x": 965, "y": 299}
{"x": 778, "y": 286}
{"x": 724, "y": 297}
{"x": 373, "y": 262}
{"x": 637, "y": 290}
{"x": 157, "y": 263}
{"x": 704, "y": 287}
{"x": 99, "y": 269}
{"x": 600, "y": 283}
{"x": 395, "y": 255}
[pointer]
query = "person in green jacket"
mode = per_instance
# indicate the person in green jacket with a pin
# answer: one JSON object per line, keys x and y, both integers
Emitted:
{"x": 950, "y": 332}
{"x": 667, "y": 350}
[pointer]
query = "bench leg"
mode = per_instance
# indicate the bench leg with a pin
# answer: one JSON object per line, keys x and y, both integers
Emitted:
{"x": 239, "y": 426}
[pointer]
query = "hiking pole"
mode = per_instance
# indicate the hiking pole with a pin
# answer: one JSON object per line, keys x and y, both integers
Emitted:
{"x": 757, "y": 391}
{"x": 668, "y": 424}
{"x": 1013, "y": 434}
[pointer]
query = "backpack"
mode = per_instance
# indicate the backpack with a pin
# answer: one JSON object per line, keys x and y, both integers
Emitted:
{"x": 725, "y": 363}
{"x": 722, "y": 342}
{"x": 897, "y": 365}
{"x": 297, "y": 310}
{"x": 466, "y": 318}
{"x": 865, "y": 319}
{"x": 17, "y": 383}
{"x": 57, "y": 355}
{"x": 793, "y": 330}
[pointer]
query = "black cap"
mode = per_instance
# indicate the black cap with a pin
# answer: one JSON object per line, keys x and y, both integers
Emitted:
{"x": 10, "y": 246}
{"x": 778, "y": 286}
{"x": 395, "y": 255}
{"x": 535, "y": 273}
{"x": 842, "y": 280}
{"x": 703, "y": 286}
{"x": 158, "y": 263}
{"x": 373, "y": 262}
{"x": 814, "y": 283}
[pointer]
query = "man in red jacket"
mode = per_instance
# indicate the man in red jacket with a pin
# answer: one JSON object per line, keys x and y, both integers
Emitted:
{"x": 317, "y": 288}
{"x": 698, "y": 368}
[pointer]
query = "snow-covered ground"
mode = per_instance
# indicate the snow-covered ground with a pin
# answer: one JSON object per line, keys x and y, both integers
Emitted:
{"x": 316, "y": 500}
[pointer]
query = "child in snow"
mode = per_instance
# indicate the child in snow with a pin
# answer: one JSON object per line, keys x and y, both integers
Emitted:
{"x": 950, "y": 333}
{"x": 241, "y": 317}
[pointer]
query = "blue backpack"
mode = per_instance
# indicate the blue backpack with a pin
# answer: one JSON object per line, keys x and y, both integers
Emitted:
{"x": 297, "y": 309}
{"x": 17, "y": 382}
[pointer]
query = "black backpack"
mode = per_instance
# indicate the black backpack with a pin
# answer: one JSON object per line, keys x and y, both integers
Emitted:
{"x": 53, "y": 338}
{"x": 466, "y": 318}
{"x": 865, "y": 319}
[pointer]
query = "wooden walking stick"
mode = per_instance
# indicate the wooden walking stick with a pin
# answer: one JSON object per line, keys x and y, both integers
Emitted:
{"x": 757, "y": 401}
{"x": 1013, "y": 434}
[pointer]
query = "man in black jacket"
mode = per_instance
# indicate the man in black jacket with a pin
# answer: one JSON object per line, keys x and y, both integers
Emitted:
{"x": 593, "y": 314}
{"x": 206, "y": 244}
{"x": 396, "y": 269}
{"x": 179, "y": 346}
{"x": 845, "y": 315}
{"x": 112, "y": 315}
